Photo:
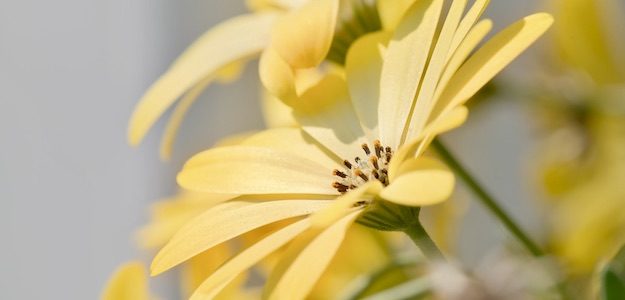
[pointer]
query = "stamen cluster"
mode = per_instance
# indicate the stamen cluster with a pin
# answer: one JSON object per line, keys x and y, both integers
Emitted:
{"x": 374, "y": 166}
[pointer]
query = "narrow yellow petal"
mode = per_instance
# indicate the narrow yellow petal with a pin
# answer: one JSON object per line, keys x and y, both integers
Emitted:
{"x": 277, "y": 76}
{"x": 344, "y": 204}
{"x": 421, "y": 181}
{"x": 303, "y": 37}
{"x": 465, "y": 48}
{"x": 425, "y": 101}
{"x": 255, "y": 170}
{"x": 222, "y": 223}
{"x": 305, "y": 260}
{"x": 296, "y": 142}
{"x": 177, "y": 116}
{"x": 129, "y": 282}
{"x": 491, "y": 58}
{"x": 230, "y": 41}
{"x": 404, "y": 63}
{"x": 246, "y": 259}
{"x": 363, "y": 66}
{"x": 326, "y": 113}
{"x": 474, "y": 13}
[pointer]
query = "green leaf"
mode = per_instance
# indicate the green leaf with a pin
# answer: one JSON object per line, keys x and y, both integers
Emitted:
{"x": 613, "y": 278}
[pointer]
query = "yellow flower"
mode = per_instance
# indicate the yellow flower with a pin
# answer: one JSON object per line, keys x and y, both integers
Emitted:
{"x": 360, "y": 144}
{"x": 293, "y": 34}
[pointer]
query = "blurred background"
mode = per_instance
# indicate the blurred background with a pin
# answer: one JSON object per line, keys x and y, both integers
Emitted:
{"x": 72, "y": 192}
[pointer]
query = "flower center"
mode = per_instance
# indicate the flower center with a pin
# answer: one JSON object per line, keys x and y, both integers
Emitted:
{"x": 373, "y": 166}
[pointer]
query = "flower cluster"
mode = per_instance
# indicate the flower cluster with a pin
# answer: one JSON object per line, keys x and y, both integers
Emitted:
{"x": 356, "y": 93}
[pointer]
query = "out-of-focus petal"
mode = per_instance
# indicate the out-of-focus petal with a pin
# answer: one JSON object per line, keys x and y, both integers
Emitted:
{"x": 235, "y": 39}
{"x": 303, "y": 36}
{"x": 277, "y": 76}
{"x": 255, "y": 170}
{"x": 391, "y": 11}
{"x": 275, "y": 112}
{"x": 129, "y": 282}
{"x": 246, "y": 259}
{"x": 421, "y": 181}
{"x": 225, "y": 222}
{"x": 306, "y": 259}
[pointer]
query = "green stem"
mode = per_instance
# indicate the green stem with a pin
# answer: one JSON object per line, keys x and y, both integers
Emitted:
{"x": 421, "y": 238}
{"x": 487, "y": 199}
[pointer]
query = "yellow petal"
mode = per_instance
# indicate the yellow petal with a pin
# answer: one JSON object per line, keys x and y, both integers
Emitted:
{"x": 230, "y": 41}
{"x": 465, "y": 48}
{"x": 201, "y": 266}
{"x": 421, "y": 181}
{"x": 491, "y": 59}
{"x": 255, "y": 170}
{"x": 226, "y": 222}
{"x": 392, "y": 11}
{"x": 404, "y": 64}
{"x": 344, "y": 204}
{"x": 275, "y": 112}
{"x": 303, "y": 37}
{"x": 448, "y": 121}
{"x": 177, "y": 116}
{"x": 306, "y": 259}
{"x": 230, "y": 72}
{"x": 246, "y": 259}
{"x": 474, "y": 13}
{"x": 277, "y": 76}
{"x": 129, "y": 282}
{"x": 296, "y": 142}
{"x": 425, "y": 101}
{"x": 326, "y": 113}
{"x": 170, "y": 215}
{"x": 363, "y": 66}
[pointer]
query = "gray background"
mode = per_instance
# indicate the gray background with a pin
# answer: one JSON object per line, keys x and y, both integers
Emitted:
{"x": 71, "y": 190}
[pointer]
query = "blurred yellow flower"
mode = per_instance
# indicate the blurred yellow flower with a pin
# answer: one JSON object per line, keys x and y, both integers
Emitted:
{"x": 361, "y": 142}
{"x": 584, "y": 160}
{"x": 129, "y": 282}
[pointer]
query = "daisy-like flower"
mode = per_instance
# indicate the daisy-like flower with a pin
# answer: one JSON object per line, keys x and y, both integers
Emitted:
{"x": 358, "y": 154}
{"x": 294, "y": 35}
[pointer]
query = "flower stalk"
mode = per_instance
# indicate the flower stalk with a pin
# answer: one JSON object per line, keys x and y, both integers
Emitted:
{"x": 487, "y": 200}
{"x": 420, "y": 237}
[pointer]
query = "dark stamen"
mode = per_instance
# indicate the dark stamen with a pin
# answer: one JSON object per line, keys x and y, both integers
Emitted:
{"x": 339, "y": 173}
{"x": 347, "y": 164}
{"x": 378, "y": 148}
{"x": 366, "y": 148}
{"x": 374, "y": 162}
{"x": 361, "y": 175}
{"x": 338, "y": 185}
{"x": 375, "y": 174}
